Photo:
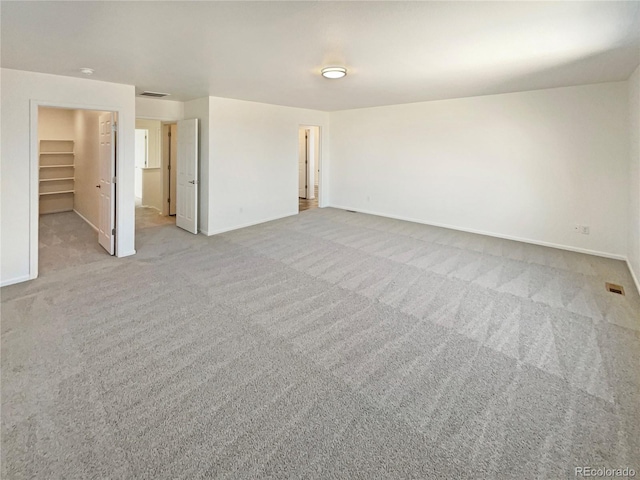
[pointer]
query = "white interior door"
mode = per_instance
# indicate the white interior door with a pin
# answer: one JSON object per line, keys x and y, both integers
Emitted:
{"x": 302, "y": 163}
{"x": 107, "y": 217}
{"x": 187, "y": 176}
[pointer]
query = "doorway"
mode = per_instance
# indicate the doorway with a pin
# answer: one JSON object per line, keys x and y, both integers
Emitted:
{"x": 152, "y": 159}
{"x": 76, "y": 189}
{"x": 308, "y": 167}
{"x": 168, "y": 175}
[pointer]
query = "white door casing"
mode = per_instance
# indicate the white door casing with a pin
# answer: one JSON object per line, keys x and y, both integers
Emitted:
{"x": 173, "y": 152}
{"x": 141, "y": 159}
{"x": 187, "y": 175}
{"x": 302, "y": 163}
{"x": 106, "y": 214}
{"x": 311, "y": 141}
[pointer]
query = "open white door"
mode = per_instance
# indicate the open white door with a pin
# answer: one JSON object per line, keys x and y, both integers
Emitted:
{"x": 187, "y": 177}
{"x": 107, "y": 217}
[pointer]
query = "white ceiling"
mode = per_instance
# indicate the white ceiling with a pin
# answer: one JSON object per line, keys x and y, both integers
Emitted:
{"x": 396, "y": 52}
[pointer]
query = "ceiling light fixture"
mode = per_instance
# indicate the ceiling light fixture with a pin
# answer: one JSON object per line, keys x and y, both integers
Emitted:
{"x": 86, "y": 71}
{"x": 334, "y": 72}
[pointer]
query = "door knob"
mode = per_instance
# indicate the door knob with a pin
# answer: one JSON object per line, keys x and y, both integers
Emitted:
{"x": 98, "y": 186}
{"x": 193, "y": 181}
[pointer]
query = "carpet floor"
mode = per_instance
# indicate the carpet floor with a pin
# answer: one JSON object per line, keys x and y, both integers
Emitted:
{"x": 324, "y": 345}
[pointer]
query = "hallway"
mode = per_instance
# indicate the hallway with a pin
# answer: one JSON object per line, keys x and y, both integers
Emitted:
{"x": 307, "y": 204}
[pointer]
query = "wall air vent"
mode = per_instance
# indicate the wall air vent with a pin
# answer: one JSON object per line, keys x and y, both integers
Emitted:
{"x": 613, "y": 288}
{"x": 154, "y": 94}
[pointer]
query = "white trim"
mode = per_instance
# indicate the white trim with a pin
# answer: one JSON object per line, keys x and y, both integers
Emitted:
{"x": 86, "y": 220}
{"x": 489, "y": 234}
{"x": 320, "y": 165}
{"x": 245, "y": 225}
{"x": 15, "y": 280}
{"x": 160, "y": 119}
{"x": 636, "y": 278}
{"x": 34, "y": 171}
{"x": 151, "y": 206}
{"x": 34, "y": 190}
{"x": 62, "y": 210}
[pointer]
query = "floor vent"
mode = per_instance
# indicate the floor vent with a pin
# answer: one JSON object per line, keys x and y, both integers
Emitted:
{"x": 154, "y": 94}
{"x": 613, "y": 288}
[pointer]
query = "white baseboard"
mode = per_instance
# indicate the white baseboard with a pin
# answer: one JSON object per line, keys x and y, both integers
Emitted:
{"x": 490, "y": 234}
{"x": 85, "y": 219}
{"x": 126, "y": 254}
{"x": 12, "y": 281}
{"x": 61, "y": 210}
{"x": 636, "y": 276}
{"x": 151, "y": 206}
{"x": 245, "y": 225}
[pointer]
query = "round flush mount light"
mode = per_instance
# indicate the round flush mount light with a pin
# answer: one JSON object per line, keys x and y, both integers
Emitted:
{"x": 86, "y": 71}
{"x": 334, "y": 72}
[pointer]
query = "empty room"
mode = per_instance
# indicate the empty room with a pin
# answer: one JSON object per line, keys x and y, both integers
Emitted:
{"x": 320, "y": 240}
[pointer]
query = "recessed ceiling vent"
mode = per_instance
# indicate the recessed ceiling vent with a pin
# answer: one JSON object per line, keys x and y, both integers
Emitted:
{"x": 146, "y": 93}
{"x": 613, "y": 288}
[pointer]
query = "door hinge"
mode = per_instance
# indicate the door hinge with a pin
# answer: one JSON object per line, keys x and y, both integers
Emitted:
{"x": 169, "y": 167}
{"x": 114, "y": 180}
{"x": 168, "y": 200}
{"x": 169, "y": 133}
{"x": 114, "y": 127}
{"x": 113, "y": 231}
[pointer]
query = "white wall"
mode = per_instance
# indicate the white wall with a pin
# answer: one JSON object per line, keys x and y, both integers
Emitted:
{"x": 18, "y": 235}
{"x": 152, "y": 188}
{"x": 254, "y": 161}
{"x": 634, "y": 176}
{"x": 56, "y": 124}
{"x": 154, "y": 147}
{"x": 526, "y": 165}
{"x": 159, "y": 109}
{"x": 87, "y": 172}
{"x": 201, "y": 109}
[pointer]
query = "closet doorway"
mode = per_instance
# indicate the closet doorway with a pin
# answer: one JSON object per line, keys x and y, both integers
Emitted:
{"x": 76, "y": 186}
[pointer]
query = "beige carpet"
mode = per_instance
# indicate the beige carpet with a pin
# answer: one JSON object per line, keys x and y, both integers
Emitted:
{"x": 325, "y": 345}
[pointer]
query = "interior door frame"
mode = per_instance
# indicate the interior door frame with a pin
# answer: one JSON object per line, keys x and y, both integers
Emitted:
{"x": 34, "y": 174}
{"x": 307, "y": 132}
{"x": 165, "y": 179}
{"x": 319, "y": 164}
{"x": 167, "y": 146}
